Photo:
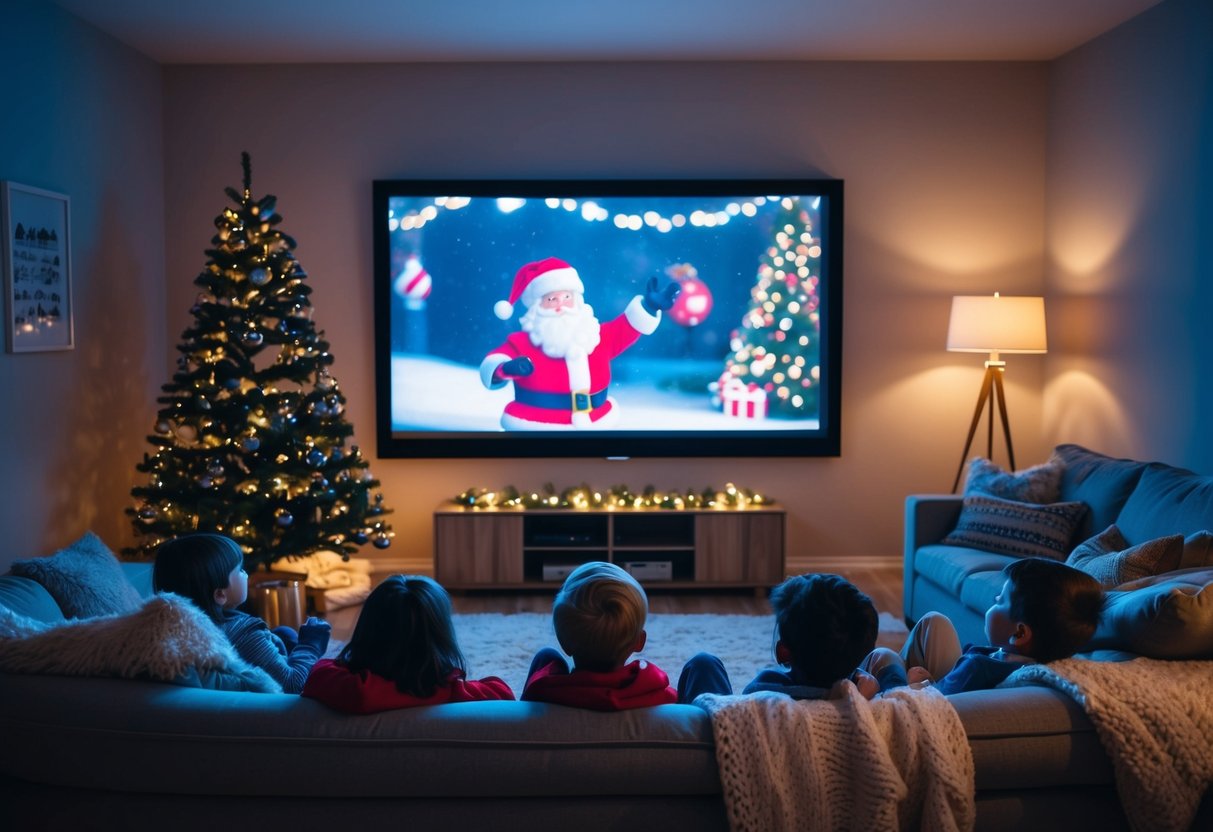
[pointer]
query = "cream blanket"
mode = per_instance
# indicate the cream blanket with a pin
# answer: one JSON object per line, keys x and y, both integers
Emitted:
{"x": 899, "y": 762}
{"x": 344, "y": 582}
{"x": 1155, "y": 720}
{"x": 167, "y": 639}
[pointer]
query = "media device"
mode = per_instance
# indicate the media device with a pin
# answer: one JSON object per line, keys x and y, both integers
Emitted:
{"x": 743, "y": 360}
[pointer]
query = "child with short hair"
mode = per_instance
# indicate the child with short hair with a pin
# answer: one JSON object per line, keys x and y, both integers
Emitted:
{"x": 599, "y": 617}
{"x": 403, "y": 654}
{"x": 1046, "y": 611}
{"x": 208, "y": 569}
{"x": 824, "y": 628}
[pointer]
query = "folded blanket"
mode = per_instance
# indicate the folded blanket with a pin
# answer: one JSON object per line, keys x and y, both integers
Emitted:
{"x": 167, "y": 639}
{"x": 899, "y": 762}
{"x": 1155, "y": 721}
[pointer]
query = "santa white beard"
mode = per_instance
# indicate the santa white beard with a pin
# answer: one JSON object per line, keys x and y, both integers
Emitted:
{"x": 568, "y": 334}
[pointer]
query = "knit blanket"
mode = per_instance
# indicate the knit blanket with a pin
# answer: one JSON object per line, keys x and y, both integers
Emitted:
{"x": 167, "y": 639}
{"x": 901, "y": 761}
{"x": 1155, "y": 721}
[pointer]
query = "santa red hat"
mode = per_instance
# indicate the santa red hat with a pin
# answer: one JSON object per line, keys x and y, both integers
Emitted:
{"x": 534, "y": 280}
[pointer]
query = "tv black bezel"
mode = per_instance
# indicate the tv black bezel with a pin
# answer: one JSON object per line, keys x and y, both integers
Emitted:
{"x": 824, "y": 442}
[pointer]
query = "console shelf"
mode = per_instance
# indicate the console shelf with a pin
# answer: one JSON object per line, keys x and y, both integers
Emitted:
{"x": 535, "y": 548}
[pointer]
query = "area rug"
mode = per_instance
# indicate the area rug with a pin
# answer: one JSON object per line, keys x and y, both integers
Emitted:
{"x": 496, "y": 644}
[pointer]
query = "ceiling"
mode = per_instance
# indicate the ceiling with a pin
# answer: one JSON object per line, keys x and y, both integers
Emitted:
{"x": 362, "y": 31}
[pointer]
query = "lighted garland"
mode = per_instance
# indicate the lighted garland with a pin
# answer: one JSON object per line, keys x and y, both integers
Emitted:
{"x": 616, "y": 497}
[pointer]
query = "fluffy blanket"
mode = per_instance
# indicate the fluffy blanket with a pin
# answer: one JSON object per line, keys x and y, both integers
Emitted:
{"x": 167, "y": 639}
{"x": 344, "y": 582}
{"x": 899, "y": 762}
{"x": 1155, "y": 721}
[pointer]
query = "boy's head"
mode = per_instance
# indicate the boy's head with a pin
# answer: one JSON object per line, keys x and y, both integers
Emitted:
{"x": 826, "y": 627}
{"x": 599, "y": 616}
{"x": 1046, "y": 610}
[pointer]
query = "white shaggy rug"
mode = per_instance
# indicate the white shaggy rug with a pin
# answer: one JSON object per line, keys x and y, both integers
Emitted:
{"x": 496, "y": 644}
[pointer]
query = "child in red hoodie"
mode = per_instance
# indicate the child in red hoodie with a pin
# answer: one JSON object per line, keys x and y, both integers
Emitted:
{"x": 403, "y": 654}
{"x": 599, "y": 617}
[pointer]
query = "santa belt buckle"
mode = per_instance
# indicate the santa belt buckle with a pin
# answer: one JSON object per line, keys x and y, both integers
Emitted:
{"x": 581, "y": 401}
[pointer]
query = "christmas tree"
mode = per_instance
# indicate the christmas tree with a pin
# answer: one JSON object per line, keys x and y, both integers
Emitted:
{"x": 250, "y": 438}
{"x": 777, "y": 348}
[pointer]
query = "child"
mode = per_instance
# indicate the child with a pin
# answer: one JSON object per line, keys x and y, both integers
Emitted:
{"x": 824, "y": 628}
{"x": 1046, "y": 611}
{"x": 403, "y": 654}
{"x": 209, "y": 570}
{"x": 599, "y": 617}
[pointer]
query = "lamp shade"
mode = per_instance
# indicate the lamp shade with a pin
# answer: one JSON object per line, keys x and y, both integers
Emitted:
{"x": 992, "y": 323}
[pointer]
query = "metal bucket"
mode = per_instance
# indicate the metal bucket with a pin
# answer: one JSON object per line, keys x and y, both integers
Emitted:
{"x": 280, "y": 603}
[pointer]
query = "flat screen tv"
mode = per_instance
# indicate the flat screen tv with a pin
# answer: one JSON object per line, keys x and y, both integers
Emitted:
{"x": 608, "y": 318}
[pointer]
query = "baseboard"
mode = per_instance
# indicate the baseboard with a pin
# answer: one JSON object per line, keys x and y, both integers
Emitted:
{"x": 800, "y": 566}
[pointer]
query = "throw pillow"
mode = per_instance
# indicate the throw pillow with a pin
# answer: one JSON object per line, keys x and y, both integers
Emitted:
{"x": 1162, "y": 617}
{"x": 168, "y": 639}
{"x": 1198, "y": 550}
{"x": 85, "y": 579}
{"x": 1109, "y": 558}
{"x": 1038, "y": 484}
{"x": 1018, "y": 529}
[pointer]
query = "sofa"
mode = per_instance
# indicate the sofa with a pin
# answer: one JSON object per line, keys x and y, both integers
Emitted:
{"x": 84, "y": 753}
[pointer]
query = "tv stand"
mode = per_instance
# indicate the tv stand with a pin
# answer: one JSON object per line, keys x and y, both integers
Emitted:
{"x": 674, "y": 549}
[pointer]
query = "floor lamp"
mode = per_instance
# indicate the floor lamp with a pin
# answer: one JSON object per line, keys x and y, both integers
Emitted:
{"x": 994, "y": 324}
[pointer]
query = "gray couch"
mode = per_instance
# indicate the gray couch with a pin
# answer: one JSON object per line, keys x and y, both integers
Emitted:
{"x": 107, "y": 753}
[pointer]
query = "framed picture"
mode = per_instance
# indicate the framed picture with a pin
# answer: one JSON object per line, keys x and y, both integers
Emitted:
{"x": 37, "y": 268}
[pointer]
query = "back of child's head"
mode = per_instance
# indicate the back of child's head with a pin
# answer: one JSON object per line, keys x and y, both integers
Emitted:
{"x": 405, "y": 633}
{"x": 827, "y": 625}
{"x": 599, "y": 614}
{"x": 1060, "y": 603}
{"x": 194, "y": 566}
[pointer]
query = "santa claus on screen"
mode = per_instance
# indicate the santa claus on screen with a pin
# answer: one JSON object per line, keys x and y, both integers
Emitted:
{"x": 560, "y": 361}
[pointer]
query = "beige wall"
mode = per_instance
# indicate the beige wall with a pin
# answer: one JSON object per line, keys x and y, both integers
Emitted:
{"x": 1130, "y": 211}
{"x": 944, "y": 168}
{"x": 82, "y": 116}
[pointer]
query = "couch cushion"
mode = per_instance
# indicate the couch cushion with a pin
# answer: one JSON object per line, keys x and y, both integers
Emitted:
{"x": 1167, "y": 500}
{"x": 1110, "y": 559}
{"x": 1038, "y": 484}
{"x": 1102, "y": 482}
{"x": 85, "y": 579}
{"x": 980, "y": 589}
{"x": 949, "y": 566}
{"x": 29, "y": 598}
{"x": 1013, "y": 528}
{"x": 1168, "y": 616}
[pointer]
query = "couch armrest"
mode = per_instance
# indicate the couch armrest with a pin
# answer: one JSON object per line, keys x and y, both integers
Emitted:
{"x": 929, "y": 518}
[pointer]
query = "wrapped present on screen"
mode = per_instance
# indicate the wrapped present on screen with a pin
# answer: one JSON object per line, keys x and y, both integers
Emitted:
{"x": 743, "y": 401}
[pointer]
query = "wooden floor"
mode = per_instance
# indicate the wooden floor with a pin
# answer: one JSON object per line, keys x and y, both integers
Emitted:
{"x": 881, "y": 583}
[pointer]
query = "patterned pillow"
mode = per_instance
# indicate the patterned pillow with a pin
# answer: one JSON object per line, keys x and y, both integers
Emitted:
{"x": 1018, "y": 529}
{"x": 1109, "y": 558}
{"x": 85, "y": 579}
{"x": 1198, "y": 550}
{"x": 1038, "y": 484}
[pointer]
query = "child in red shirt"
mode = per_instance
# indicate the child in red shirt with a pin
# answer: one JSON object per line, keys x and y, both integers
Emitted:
{"x": 599, "y": 617}
{"x": 403, "y": 654}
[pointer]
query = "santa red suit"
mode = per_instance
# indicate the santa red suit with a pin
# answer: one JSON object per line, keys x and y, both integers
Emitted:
{"x": 568, "y": 390}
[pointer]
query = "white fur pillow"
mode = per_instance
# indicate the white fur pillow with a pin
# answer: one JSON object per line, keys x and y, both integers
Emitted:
{"x": 165, "y": 639}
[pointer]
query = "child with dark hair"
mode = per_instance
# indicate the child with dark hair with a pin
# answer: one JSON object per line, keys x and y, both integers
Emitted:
{"x": 208, "y": 569}
{"x": 403, "y": 654}
{"x": 599, "y": 617}
{"x": 824, "y": 628}
{"x": 1046, "y": 611}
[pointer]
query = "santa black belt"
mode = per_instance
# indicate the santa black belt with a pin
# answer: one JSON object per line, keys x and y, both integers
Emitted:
{"x": 579, "y": 401}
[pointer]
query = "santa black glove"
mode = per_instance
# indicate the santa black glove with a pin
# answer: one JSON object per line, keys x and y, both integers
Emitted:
{"x": 516, "y": 367}
{"x": 655, "y": 299}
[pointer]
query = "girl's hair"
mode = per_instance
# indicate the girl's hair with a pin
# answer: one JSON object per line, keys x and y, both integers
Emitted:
{"x": 405, "y": 633}
{"x": 194, "y": 566}
{"x": 598, "y": 615}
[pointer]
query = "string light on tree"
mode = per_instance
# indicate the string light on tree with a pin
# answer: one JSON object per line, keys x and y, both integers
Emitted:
{"x": 250, "y": 439}
{"x": 777, "y": 348}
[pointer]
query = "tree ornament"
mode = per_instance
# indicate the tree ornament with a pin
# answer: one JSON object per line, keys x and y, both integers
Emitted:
{"x": 283, "y": 517}
{"x": 259, "y": 277}
{"x": 252, "y": 338}
{"x": 315, "y": 458}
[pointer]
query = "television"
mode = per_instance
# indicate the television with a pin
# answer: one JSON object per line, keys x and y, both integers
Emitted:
{"x": 742, "y": 358}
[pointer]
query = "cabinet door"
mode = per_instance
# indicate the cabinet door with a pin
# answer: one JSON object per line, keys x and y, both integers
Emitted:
{"x": 477, "y": 551}
{"x": 739, "y": 548}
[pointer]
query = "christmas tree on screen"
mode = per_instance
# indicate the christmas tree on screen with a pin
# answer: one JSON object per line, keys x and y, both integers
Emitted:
{"x": 777, "y": 348}
{"x": 250, "y": 440}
